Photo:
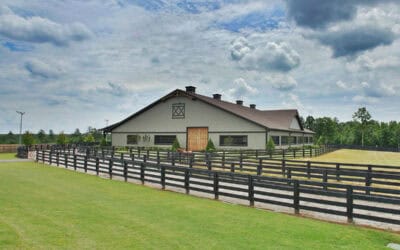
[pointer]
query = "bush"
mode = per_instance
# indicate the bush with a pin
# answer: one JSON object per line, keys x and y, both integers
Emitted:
{"x": 28, "y": 139}
{"x": 270, "y": 146}
{"x": 89, "y": 138}
{"x": 175, "y": 145}
{"x": 103, "y": 142}
{"x": 210, "y": 146}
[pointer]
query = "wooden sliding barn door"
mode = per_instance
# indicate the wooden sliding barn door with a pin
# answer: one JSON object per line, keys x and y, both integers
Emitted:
{"x": 197, "y": 139}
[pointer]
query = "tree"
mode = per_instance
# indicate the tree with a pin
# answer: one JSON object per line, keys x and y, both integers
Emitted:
{"x": 270, "y": 146}
{"x": 28, "y": 139}
{"x": 76, "y": 137}
{"x": 61, "y": 139}
{"x": 362, "y": 116}
{"x": 10, "y": 138}
{"x": 210, "y": 146}
{"x": 41, "y": 136}
{"x": 103, "y": 142}
{"x": 310, "y": 123}
{"x": 51, "y": 136}
{"x": 175, "y": 145}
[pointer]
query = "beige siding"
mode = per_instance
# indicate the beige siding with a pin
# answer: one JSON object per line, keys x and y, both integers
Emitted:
{"x": 158, "y": 120}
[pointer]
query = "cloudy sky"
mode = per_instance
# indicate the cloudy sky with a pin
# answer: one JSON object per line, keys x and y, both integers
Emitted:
{"x": 76, "y": 63}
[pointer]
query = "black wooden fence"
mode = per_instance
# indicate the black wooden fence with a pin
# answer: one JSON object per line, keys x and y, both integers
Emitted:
{"x": 347, "y": 201}
{"x": 370, "y": 148}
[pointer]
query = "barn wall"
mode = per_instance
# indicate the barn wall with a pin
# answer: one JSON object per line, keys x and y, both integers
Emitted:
{"x": 158, "y": 120}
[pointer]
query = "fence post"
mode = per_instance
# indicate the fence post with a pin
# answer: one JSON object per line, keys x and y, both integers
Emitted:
{"x": 294, "y": 153}
{"x": 241, "y": 159}
{"x": 148, "y": 154}
{"x": 66, "y": 160}
{"x": 283, "y": 153}
{"x": 368, "y": 180}
{"x": 223, "y": 158}
{"x": 216, "y": 185}
{"x": 110, "y": 164}
{"x": 233, "y": 167}
{"x": 144, "y": 158}
{"x": 50, "y": 155}
{"x": 85, "y": 163}
{"x": 251, "y": 191}
{"x": 75, "y": 162}
{"x": 163, "y": 177}
{"x": 325, "y": 179}
{"x": 296, "y": 196}
{"x": 125, "y": 171}
{"x": 289, "y": 174}
{"x": 58, "y": 158}
{"x": 208, "y": 164}
{"x": 337, "y": 172}
{"x": 158, "y": 156}
{"x": 283, "y": 167}
{"x": 308, "y": 169}
{"x": 259, "y": 167}
{"x": 349, "y": 204}
{"x": 187, "y": 181}
{"x": 190, "y": 162}
{"x": 97, "y": 165}
{"x": 142, "y": 172}
{"x": 304, "y": 153}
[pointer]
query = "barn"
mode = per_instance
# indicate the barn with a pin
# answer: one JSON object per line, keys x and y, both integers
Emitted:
{"x": 193, "y": 119}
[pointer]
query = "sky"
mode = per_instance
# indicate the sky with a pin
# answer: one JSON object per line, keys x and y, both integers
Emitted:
{"x": 78, "y": 63}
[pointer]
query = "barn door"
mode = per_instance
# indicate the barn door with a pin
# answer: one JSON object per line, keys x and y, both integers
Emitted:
{"x": 197, "y": 139}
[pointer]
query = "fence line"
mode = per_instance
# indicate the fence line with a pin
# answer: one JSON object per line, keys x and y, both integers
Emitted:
{"x": 371, "y": 148}
{"x": 302, "y": 196}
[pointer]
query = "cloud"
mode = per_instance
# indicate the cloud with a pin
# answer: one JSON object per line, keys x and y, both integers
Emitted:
{"x": 242, "y": 89}
{"x": 281, "y": 82}
{"x": 362, "y": 99}
{"x": 351, "y": 40}
{"x": 239, "y": 48}
{"x": 367, "y": 63}
{"x": 319, "y": 14}
{"x": 41, "y": 69}
{"x": 272, "y": 56}
{"x": 114, "y": 89}
{"x": 40, "y": 30}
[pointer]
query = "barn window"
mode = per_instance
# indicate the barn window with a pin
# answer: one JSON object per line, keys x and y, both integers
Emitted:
{"x": 131, "y": 139}
{"x": 275, "y": 139}
{"x": 285, "y": 140}
{"x": 164, "y": 139}
{"x": 300, "y": 140}
{"x": 178, "y": 111}
{"x": 233, "y": 140}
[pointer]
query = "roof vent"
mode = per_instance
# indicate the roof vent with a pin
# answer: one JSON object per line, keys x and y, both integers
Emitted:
{"x": 239, "y": 102}
{"x": 252, "y": 106}
{"x": 217, "y": 96}
{"x": 190, "y": 89}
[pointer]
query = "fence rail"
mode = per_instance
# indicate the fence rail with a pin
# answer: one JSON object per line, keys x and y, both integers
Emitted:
{"x": 302, "y": 196}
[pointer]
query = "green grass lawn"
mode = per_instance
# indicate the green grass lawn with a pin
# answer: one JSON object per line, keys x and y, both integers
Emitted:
{"x": 46, "y": 207}
{"x": 360, "y": 156}
{"x": 7, "y": 156}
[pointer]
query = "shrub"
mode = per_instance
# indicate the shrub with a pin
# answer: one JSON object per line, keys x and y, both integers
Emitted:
{"x": 103, "y": 142}
{"x": 89, "y": 138}
{"x": 175, "y": 145}
{"x": 210, "y": 146}
{"x": 270, "y": 146}
{"x": 28, "y": 139}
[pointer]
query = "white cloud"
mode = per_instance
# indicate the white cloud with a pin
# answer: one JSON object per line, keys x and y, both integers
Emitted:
{"x": 40, "y": 30}
{"x": 43, "y": 69}
{"x": 362, "y": 99}
{"x": 281, "y": 82}
{"x": 366, "y": 63}
{"x": 242, "y": 89}
{"x": 270, "y": 56}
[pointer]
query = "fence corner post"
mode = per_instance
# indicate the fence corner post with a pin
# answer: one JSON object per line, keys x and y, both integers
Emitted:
{"x": 251, "y": 191}
{"x": 216, "y": 186}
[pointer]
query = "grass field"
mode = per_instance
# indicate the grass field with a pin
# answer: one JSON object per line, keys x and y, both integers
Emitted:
{"x": 46, "y": 207}
{"x": 7, "y": 156}
{"x": 360, "y": 156}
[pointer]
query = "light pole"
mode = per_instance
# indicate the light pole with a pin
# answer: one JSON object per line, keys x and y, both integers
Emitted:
{"x": 20, "y": 126}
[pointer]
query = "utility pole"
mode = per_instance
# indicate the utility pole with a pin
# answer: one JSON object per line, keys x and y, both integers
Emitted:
{"x": 20, "y": 126}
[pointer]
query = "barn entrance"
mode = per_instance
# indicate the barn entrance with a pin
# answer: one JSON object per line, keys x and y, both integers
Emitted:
{"x": 197, "y": 139}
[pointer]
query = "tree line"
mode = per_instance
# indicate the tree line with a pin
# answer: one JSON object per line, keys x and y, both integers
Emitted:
{"x": 92, "y": 135}
{"x": 362, "y": 130}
